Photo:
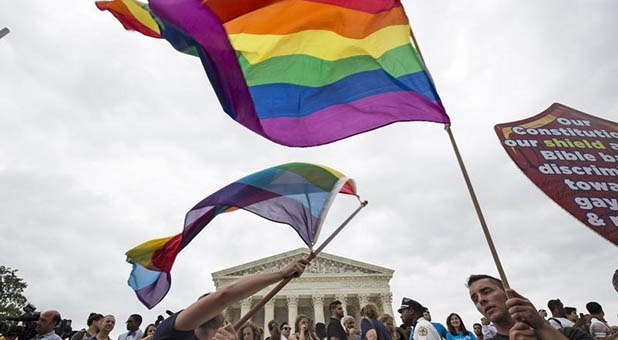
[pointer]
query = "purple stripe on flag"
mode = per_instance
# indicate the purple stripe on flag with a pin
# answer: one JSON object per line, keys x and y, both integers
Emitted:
{"x": 287, "y": 210}
{"x": 236, "y": 194}
{"x": 269, "y": 205}
{"x": 152, "y": 294}
{"x": 199, "y": 22}
{"x": 195, "y": 221}
{"x": 345, "y": 120}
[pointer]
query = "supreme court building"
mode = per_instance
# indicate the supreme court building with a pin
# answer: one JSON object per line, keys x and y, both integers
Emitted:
{"x": 328, "y": 278}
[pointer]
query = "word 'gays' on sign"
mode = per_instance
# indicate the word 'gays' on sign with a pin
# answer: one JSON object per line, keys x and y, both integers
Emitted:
{"x": 573, "y": 157}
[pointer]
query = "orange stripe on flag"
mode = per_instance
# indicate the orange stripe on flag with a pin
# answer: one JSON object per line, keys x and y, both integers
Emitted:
{"x": 315, "y": 16}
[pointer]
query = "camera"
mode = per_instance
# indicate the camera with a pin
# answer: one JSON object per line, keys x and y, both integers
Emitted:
{"x": 64, "y": 329}
{"x": 24, "y": 326}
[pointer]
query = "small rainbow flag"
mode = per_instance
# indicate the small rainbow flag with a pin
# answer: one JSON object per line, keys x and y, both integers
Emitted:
{"x": 299, "y": 72}
{"x": 297, "y": 194}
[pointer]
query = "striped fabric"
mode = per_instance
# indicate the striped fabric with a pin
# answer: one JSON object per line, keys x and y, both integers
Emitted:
{"x": 297, "y": 194}
{"x": 299, "y": 72}
{"x": 133, "y": 15}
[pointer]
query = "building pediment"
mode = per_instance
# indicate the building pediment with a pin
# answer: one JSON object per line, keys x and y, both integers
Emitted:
{"x": 323, "y": 264}
{"x": 328, "y": 278}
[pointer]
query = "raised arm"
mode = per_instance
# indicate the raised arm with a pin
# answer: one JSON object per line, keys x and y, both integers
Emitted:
{"x": 211, "y": 305}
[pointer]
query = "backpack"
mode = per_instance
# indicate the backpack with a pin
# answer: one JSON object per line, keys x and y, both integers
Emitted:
{"x": 558, "y": 321}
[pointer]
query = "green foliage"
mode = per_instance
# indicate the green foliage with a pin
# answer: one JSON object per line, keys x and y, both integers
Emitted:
{"x": 11, "y": 293}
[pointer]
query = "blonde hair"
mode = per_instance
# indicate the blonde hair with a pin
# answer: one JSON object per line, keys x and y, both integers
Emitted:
{"x": 370, "y": 310}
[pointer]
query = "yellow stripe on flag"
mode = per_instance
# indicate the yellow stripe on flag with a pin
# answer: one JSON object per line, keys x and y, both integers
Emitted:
{"x": 142, "y": 254}
{"x": 321, "y": 44}
{"x": 142, "y": 15}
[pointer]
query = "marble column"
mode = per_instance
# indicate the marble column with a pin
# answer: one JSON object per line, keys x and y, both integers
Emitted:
{"x": 292, "y": 309}
{"x": 269, "y": 314}
{"x": 245, "y": 306}
{"x": 363, "y": 300}
{"x": 387, "y": 304}
{"x": 318, "y": 307}
{"x": 342, "y": 298}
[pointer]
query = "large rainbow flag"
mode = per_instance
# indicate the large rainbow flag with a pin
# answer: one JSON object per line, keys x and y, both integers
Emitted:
{"x": 298, "y": 72}
{"x": 297, "y": 194}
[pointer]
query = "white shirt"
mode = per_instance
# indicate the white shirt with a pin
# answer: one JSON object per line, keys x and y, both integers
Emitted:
{"x": 599, "y": 329}
{"x": 135, "y": 336}
{"x": 489, "y": 331}
{"x": 424, "y": 330}
{"x": 48, "y": 336}
{"x": 561, "y": 323}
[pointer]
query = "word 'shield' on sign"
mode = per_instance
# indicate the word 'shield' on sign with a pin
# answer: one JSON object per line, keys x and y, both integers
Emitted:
{"x": 573, "y": 157}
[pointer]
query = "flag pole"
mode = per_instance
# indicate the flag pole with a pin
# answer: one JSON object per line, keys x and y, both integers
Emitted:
{"x": 283, "y": 283}
{"x": 4, "y": 32}
{"x": 477, "y": 206}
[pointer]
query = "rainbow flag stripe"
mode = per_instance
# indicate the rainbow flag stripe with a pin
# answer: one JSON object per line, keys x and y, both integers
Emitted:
{"x": 133, "y": 15}
{"x": 297, "y": 194}
{"x": 306, "y": 72}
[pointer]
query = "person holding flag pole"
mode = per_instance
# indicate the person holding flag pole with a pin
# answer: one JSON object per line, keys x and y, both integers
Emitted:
{"x": 204, "y": 319}
{"x": 297, "y": 194}
{"x": 514, "y": 316}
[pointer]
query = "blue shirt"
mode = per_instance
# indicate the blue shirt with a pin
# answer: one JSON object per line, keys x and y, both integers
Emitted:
{"x": 438, "y": 326}
{"x": 381, "y": 331}
{"x": 441, "y": 329}
{"x": 460, "y": 336}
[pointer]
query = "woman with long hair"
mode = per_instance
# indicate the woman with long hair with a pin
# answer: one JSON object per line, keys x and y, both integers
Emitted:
{"x": 304, "y": 329}
{"x": 248, "y": 332}
{"x": 371, "y": 327}
{"x": 275, "y": 332}
{"x": 149, "y": 331}
{"x": 456, "y": 329}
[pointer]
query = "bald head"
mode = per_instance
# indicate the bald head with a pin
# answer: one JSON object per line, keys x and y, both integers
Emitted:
{"x": 48, "y": 321}
{"x": 348, "y": 321}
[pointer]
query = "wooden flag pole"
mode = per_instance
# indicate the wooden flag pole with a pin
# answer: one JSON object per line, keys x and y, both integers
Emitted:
{"x": 4, "y": 32}
{"x": 282, "y": 284}
{"x": 477, "y": 206}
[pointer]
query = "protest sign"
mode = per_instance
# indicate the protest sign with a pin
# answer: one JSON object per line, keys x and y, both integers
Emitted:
{"x": 573, "y": 157}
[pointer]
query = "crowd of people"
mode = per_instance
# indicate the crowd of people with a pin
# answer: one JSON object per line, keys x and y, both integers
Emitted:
{"x": 506, "y": 315}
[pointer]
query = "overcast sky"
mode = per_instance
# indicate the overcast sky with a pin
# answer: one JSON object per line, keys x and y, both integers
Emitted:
{"x": 108, "y": 137}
